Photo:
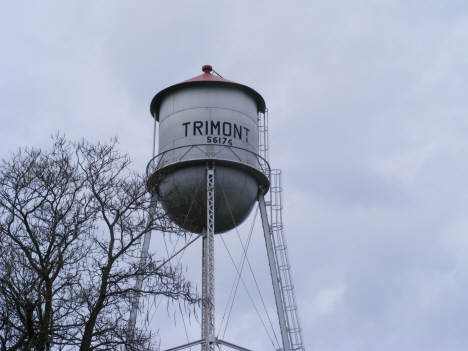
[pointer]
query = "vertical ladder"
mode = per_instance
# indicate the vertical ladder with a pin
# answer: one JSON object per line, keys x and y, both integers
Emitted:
{"x": 263, "y": 148}
{"x": 287, "y": 312}
{"x": 282, "y": 262}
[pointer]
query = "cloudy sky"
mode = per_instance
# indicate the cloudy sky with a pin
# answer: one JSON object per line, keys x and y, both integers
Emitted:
{"x": 368, "y": 121}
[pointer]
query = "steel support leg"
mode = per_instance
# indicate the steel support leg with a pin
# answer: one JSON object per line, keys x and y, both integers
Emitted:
{"x": 274, "y": 272}
{"x": 143, "y": 259}
{"x": 208, "y": 328}
{"x": 204, "y": 309}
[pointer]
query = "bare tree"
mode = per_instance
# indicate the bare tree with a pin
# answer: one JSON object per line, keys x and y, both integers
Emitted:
{"x": 71, "y": 224}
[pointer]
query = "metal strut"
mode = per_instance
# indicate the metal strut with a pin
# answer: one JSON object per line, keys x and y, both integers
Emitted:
{"x": 143, "y": 259}
{"x": 145, "y": 248}
{"x": 208, "y": 327}
{"x": 274, "y": 272}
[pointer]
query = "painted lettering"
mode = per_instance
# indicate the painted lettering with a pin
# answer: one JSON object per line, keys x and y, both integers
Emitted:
{"x": 247, "y": 134}
{"x": 237, "y": 131}
{"x": 186, "y": 127}
{"x": 227, "y": 129}
{"x": 197, "y": 125}
{"x": 218, "y": 128}
{"x": 215, "y": 126}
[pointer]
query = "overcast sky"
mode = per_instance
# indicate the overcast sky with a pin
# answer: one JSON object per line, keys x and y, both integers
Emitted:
{"x": 368, "y": 105}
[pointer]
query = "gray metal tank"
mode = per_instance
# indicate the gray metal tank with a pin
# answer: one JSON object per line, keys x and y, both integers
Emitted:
{"x": 207, "y": 120}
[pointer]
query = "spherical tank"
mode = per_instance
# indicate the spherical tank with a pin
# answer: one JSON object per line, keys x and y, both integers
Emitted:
{"x": 207, "y": 121}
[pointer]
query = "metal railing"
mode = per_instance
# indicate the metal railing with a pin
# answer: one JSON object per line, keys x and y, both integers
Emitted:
{"x": 208, "y": 152}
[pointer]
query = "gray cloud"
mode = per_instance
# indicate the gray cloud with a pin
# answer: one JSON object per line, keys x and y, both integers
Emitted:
{"x": 368, "y": 109}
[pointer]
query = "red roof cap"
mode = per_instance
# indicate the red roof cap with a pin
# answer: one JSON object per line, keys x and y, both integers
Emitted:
{"x": 207, "y": 68}
{"x": 207, "y": 76}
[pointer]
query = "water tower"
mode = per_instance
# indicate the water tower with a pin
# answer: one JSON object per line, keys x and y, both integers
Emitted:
{"x": 211, "y": 169}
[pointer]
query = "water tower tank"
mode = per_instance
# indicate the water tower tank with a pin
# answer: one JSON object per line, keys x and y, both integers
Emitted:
{"x": 207, "y": 120}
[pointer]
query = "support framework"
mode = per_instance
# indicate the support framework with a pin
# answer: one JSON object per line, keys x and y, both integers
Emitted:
{"x": 208, "y": 338}
{"x": 291, "y": 332}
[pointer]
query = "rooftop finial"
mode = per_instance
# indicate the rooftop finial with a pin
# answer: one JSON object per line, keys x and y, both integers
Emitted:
{"x": 207, "y": 68}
